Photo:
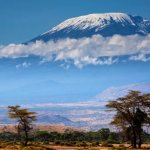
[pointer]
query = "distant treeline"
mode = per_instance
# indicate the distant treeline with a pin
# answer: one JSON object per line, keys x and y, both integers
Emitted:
{"x": 71, "y": 137}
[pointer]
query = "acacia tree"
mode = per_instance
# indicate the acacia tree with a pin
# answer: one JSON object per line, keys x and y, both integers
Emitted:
{"x": 24, "y": 119}
{"x": 132, "y": 114}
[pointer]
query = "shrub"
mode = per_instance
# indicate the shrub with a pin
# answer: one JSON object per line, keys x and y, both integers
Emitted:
{"x": 81, "y": 144}
{"x": 113, "y": 142}
{"x": 106, "y": 144}
{"x": 95, "y": 144}
{"x": 57, "y": 142}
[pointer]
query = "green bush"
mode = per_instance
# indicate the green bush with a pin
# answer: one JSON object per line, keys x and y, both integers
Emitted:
{"x": 69, "y": 144}
{"x": 57, "y": 142}
{"x": 106, "y": 144}
{"x": 113, "y": 142}
{"x": 82, "y": 144}
{"x": 46, "y": 142}
{"x": 95, "y": 144}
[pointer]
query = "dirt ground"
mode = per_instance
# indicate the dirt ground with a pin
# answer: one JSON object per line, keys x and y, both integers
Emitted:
{"x": 57, "y": 147}
{"x": 49, "y": 128}
{"x": 116, "y": 147}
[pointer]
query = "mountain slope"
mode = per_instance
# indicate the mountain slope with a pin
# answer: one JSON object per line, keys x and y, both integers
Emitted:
{"x": 106, "y": 24}
{"x": 116, "y": 92}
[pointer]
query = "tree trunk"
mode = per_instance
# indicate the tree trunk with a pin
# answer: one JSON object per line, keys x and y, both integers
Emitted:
{"x": 134, "y": 139}
{"x": 18, "y": 133}
{"x": 134, "y": 143}
{"x": 140, "y": 140}
{"x": 26, "y": 138}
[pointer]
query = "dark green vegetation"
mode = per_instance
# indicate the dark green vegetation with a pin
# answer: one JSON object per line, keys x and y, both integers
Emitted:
{"x": 103, "y": 137}
{"x": 68, "y": 136}
{"x": 132, "y": 120}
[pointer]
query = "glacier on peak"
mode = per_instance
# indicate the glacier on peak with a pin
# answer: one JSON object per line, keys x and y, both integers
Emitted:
{"x": 93, "y": 20}
{"x": 105, "y": 24}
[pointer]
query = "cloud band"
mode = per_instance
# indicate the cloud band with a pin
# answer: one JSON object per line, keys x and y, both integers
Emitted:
{"x": 95, "y": 50}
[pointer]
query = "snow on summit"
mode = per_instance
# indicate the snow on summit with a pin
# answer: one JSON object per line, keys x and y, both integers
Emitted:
{"x": 105, "y": 24}
{"x": 93, "y": 20}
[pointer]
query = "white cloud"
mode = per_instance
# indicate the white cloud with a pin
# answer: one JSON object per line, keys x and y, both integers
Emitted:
{"x": 96, "y": 50}
{"x": 24, "y": 65}
{"x": 140, "y": 57}
{"x": 65, "y": 66}
{"x": 65, "y": 105}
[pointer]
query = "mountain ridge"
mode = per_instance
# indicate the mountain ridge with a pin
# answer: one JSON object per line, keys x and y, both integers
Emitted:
{"x": 106, "y": 24}
{"x": 115, "y": 92}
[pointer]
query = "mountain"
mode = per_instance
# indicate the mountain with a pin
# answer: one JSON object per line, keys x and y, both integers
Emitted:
{"x": 106, "y": 24}
{"x": 54, "y": 119}
{"x": 116, "y": 92}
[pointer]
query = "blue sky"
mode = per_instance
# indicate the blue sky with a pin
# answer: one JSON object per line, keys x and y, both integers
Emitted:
{"x": 51, "y": 83}
{"x": 21, "y": 20}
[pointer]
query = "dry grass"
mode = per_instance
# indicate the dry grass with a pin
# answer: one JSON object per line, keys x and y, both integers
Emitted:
{"x": 42, "y": 146}
{"x": 49, "y": 128}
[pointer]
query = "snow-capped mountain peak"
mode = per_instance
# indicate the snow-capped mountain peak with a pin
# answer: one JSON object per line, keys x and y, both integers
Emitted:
{"x": 106, "y": 24}
{"x": 93, "y": 20}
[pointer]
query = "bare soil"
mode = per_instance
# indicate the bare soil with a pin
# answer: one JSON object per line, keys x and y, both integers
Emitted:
{"x": 49, "y": 128}
{"x": 38, "y": 146}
